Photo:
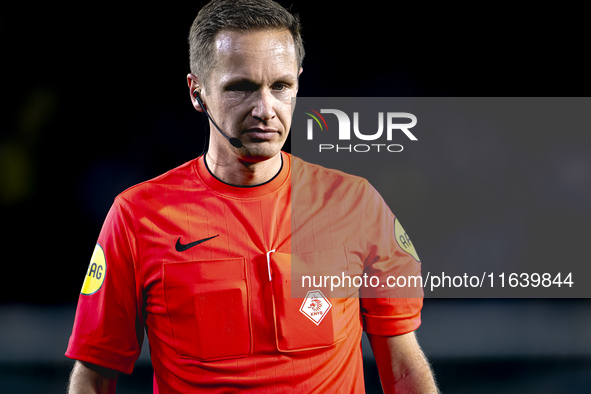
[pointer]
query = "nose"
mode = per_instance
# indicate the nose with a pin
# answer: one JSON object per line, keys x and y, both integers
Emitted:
{"x": 263, "y": 106}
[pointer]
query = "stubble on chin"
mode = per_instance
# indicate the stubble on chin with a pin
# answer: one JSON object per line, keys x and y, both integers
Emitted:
{"x": 257, "y": 151}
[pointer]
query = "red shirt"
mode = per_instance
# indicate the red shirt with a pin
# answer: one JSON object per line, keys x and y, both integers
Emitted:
{"x": 220, "y": 314}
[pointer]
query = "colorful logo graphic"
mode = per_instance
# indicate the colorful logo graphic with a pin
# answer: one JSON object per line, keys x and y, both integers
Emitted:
{"x": 316, "y": 116}
{"x": 389, "y": 123}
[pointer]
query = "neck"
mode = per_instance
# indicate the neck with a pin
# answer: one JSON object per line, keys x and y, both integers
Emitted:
{"x": 242, "y": 172}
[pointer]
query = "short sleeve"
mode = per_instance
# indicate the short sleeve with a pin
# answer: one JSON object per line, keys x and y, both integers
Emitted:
{"x": 394, "y": 306}
{"x": 107, "y": 328}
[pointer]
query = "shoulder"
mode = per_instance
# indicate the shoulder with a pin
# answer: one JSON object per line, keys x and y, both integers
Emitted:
{"x": 175, "y": 179}
{"x": 314, "y": 175}
{"x": 305, "y": 171}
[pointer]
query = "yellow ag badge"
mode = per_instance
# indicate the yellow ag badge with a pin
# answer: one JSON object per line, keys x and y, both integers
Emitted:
{"x": 97, "y": 270}
{"x": 404, "y": 241}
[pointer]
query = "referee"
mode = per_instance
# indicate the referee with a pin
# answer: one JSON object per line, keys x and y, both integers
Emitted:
{"x": 200, "y": 258}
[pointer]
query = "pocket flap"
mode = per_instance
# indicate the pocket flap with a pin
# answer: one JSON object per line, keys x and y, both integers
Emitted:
{"x": 189, "y": 272}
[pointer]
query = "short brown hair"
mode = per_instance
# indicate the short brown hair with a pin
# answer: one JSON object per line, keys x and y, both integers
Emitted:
{"x": 237, "y": 15}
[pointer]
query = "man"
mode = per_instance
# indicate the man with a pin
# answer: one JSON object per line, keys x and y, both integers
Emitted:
{"x": 200, "y": 257}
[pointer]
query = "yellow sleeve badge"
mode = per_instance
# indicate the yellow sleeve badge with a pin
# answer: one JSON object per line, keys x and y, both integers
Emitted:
{"x": 97, "y": 270}
{"x": 403, "y": 240}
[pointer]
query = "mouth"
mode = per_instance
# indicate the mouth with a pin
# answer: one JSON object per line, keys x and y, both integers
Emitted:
{"x": 263, "y": 134}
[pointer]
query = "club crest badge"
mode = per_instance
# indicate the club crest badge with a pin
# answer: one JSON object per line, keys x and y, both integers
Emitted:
{"x": 315, "y": 306}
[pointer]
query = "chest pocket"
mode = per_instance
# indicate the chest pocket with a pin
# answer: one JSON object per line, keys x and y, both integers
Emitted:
{"x": 297, "y": 331}
{"x": 209, "y": 308}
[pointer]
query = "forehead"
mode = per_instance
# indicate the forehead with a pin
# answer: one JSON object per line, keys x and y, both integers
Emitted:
{"x": 256, "y": 51}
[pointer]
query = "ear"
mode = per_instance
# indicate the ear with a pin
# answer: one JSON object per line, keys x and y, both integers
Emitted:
{"x": 194, "y": 84}
{"x": 299, "y": 73}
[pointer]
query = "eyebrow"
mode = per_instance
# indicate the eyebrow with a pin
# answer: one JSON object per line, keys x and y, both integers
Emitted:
{"x": 249, "y": 82}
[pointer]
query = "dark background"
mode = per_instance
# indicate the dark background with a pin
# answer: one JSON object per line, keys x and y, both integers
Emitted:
{"x": 94, "y": 100}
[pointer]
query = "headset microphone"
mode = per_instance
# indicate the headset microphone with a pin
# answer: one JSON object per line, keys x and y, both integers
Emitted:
{"x": 235, "y": 142}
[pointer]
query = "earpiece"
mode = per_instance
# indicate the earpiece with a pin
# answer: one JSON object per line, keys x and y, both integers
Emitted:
{"x": 235, "y": 142}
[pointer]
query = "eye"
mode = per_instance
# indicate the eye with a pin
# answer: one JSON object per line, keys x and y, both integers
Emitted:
{"x": 280, "y": 86}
